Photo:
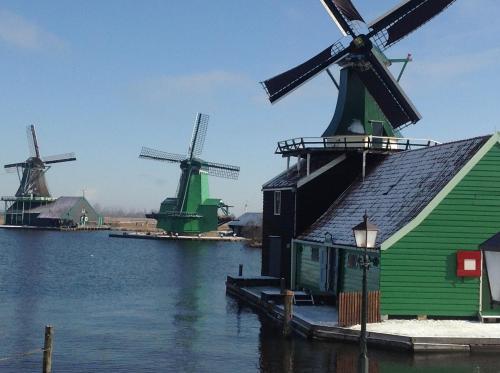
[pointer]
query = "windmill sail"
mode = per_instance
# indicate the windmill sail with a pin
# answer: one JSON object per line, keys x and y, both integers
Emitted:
{"x": 282, "y": 84}
{"x": 392, "y": 100}
{"x": 384, "y": 31}
{"x": 198, "y": 137}
{"x": 406, "y": 18}
{"x": 67, "y": 157}
{"x": 343, "y": 12}
{"x": 31, "y": 142}
{"x": 221, "y": 170}
{"x": 159, "y": 155}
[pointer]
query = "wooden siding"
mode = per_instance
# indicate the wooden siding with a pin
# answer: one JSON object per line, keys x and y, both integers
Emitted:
{"x": 351, "y": 277}
{"x": 350, "y": 308}
{"x": 278, "y": 225}
{"x": 308, "y": 270}
{"x": 419, "y": 271}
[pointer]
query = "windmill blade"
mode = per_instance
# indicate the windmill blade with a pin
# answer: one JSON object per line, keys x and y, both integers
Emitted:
{"x": 68, "y": 157}
{"x": 282, "y": 84}
{"x": 386, "y": 91}
{"x": 221, "y": 170}
{"x": 343, "y": 12}
{"x": 11, "y": 170}
{"x": 158, "y": 155}
{"x": 15, "y": 165}
{"x": 404, "y": 19}
{"x": 31, "y": 142}
{"x": 198, "y": 137}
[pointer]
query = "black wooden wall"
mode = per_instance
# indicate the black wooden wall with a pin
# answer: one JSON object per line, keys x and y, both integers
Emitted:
{"x": 278, "y": 225}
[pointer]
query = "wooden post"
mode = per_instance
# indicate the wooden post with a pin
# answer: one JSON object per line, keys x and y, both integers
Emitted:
{"x": 282, "y": 285}
{"x": 288, "y": 313}
{"x": 47, "y": 350}
{"x": 240, "y": 270}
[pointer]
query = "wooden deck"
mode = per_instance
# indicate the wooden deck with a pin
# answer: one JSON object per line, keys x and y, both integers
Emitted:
{"x": 62, "y": 229}
{"x": 321, "y": 322}
{"x": 166, "y": 237}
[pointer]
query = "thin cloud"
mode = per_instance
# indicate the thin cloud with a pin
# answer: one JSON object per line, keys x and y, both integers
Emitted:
{"x": 21, "y": 33}
{"x": 452, "y": 67}
{"x": 199, "y": 84}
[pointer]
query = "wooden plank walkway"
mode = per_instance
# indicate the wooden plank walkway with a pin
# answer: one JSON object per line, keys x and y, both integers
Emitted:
{"x": 166, "y": 237}
{"x": 309, "y": 325}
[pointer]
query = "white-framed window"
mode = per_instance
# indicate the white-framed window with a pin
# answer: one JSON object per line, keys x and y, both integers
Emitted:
{"x": 277, "y": 202}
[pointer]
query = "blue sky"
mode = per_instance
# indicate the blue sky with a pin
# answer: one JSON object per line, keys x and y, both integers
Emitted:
{"x": 103, "y": 78}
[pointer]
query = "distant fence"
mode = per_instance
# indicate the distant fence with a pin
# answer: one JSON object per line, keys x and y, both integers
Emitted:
{"x": 350, "y": 308}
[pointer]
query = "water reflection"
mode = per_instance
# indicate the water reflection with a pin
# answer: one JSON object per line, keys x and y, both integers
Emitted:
{"x": 150, "y": 306}
{"x": 186, "y": 311}
{"x": 279, "y": 354}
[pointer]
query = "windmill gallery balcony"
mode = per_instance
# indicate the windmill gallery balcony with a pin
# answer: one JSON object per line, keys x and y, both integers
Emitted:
{"x": 376, "y": 144}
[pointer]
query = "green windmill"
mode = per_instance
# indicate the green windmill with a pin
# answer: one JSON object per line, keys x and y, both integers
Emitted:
{"x": 191, "y": 211}
{"x": 370, "y": 100}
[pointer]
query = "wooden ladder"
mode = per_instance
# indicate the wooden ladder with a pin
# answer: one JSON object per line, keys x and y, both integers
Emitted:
{"x": 303, "y": 298}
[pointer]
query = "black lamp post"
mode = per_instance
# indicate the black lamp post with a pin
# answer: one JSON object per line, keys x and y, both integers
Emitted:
{"x": 365, "y": 235}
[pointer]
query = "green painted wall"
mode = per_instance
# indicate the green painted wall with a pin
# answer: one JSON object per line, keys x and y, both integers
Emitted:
{"x": 308, "y": 270}
{"x": 75, "y": 213}
{"x": 418, "y": 272}
{"x": 351, "y": 274}
{"x": 355, "y": 103}
{"x": 196, "y": 202}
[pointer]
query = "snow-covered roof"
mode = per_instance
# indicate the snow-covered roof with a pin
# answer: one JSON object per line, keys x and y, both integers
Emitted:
{"x": 394, "y": 191}
{"x": 56, "y": 209}
{"x": 289, "y": 178}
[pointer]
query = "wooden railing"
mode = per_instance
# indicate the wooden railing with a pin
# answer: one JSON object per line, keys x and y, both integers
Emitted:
{"x": 355, "y": 142}
{"x": 350, "y": 308}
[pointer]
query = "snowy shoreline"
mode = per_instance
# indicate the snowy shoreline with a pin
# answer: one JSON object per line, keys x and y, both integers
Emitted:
{"x": 435, "y": 328}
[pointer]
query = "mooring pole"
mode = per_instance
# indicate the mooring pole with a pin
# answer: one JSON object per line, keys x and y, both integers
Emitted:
{"x": 47, "y": 350}
{"x": 288, "y": 312}
{"x": 240, "y": 270}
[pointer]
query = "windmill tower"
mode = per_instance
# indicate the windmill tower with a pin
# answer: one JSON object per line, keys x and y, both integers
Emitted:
{"x": 191, "y": 210}
{"x": 370, "y": 99}
{"x": 33, "y": 190}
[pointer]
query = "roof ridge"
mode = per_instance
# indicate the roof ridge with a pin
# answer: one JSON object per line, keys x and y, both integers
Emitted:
{"x": 447, "y": 143}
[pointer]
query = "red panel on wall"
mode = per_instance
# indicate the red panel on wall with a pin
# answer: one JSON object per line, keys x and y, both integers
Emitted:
{"x": 468, "y": 263}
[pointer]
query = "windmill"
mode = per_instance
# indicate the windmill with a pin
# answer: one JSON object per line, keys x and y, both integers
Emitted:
{"x": 33, "y": 190}
{"x": 370, "y": 99}
{"x": 32, "y": 171}
{"x": 191, "y": 210}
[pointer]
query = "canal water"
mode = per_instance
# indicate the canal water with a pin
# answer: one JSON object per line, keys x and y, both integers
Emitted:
{"x": 123, "y": 305}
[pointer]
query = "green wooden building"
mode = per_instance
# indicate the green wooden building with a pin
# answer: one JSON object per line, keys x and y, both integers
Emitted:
{"x": 434, "y": 207}
{"x": 53, "y": 213}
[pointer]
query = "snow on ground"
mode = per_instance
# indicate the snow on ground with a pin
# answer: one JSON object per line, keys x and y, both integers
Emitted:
{"x": 435, "y": 328}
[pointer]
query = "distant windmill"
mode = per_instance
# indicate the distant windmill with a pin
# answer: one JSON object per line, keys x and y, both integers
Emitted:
{"x": 32, "y": 171}
{"x": 191, "y": 211}
{"x": 368, "y": 92}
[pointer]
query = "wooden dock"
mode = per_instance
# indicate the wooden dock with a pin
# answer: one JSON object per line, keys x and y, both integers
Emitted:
{"x": 168, "y": 237}
{"x": 320, "y": 322}
{"x": 60, "y": 229}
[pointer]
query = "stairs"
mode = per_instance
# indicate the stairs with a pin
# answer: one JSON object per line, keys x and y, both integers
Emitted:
{"x": 303, "y": 298}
